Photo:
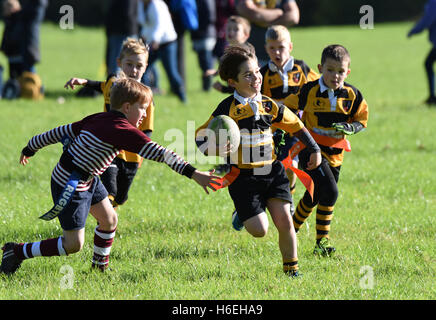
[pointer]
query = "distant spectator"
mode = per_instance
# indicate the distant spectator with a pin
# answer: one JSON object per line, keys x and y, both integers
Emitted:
{"x": 121, "y": 22}
{"x": 185, "y": 18}
{"x": 428, "y": 21}
{"x": 263, "y": 14}
{"x": 33, "y": 13}
{"x": 11, "y": 44}
{"x": 224, "y": 9}
{"x": 204, "y": 39}
{"x": 158, "y": 32}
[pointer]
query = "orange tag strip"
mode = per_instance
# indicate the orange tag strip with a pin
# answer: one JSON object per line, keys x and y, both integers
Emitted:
{"x": 228, "y": 178}
{"x": 303, "y": 176}
{"x": 331, "y": 142}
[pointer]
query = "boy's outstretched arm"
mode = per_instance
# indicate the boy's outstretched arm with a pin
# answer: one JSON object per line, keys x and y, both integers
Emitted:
{"x": 205, "y": 179}
{"x": 24, "y": 159}
{"x": 75, "y": 82}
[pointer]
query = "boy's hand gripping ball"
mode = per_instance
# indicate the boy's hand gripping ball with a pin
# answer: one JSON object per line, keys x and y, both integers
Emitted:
{"x": 225, "y": 135}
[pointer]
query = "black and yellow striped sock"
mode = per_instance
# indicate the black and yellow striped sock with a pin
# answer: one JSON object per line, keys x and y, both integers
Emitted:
{"x": 302, "y": 212}
{"x": 324, "y": 215}
{"x": 290, "y": 266}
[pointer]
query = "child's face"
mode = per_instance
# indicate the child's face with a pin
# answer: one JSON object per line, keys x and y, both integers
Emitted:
{"x": 334, "y": 72}
{"x": 278, "y": 51}
{"x": 249, "y": 79}
{"x": 135, "y": 113}
{"x": 133, "y": 65}
{"x": 235, "y": 33}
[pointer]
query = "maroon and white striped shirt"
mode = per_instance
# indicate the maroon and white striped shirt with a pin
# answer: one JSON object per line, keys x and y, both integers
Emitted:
{"x": 97, "y": 140}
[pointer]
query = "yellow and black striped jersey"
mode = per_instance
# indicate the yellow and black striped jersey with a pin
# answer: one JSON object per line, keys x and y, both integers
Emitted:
{"x": 146, "y": 125}
{"x": 257, "y": 146}
{"x": 320, "y": 112}
{"x": 273, "y": 83}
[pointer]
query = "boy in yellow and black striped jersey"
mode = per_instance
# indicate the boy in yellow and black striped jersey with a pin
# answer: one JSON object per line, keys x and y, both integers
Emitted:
{"x": 133, "y": 62}
{"x": 261, "y": 182}
{"x": 283, "y": 75}
{"x": 332, "y": 109}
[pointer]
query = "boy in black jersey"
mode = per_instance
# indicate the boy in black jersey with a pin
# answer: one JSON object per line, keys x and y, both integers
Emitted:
{"x": 332, "y": 109}
{"x": 283, "y": 75}
{"x": 262, "y": 183}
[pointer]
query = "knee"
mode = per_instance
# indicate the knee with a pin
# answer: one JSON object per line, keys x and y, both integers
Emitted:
{"x": 73, "y": 245}
{"x": 259, "y": 231}
{"x": 112, "y": 221}
{"x": 284, "y": 223}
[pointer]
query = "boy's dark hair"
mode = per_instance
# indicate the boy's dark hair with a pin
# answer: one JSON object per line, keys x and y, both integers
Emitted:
{"x": 232, "y": 59}
{"x": 335, "y": 52}
{"x": 131, "y": 91}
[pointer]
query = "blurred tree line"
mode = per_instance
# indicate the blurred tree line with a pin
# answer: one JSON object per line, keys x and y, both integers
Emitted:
{"x": 313, "y": 12}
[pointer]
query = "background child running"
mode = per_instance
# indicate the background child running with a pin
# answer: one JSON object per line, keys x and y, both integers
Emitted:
{"x": 332, "y": 109}
{"x": 94, "y": 142}
{"x": 283, "y": 75}
{"x": 133, "y": 61}
{"x": 262, "y": 183}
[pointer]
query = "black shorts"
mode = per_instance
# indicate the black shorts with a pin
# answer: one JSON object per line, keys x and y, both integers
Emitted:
{"x": 118, "y": 178}
{"x": 73, "y": 217}
{"x": 250, "y": 192}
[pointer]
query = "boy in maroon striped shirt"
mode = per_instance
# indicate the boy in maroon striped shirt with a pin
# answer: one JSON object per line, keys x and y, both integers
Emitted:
{"x": 93, "y": 143}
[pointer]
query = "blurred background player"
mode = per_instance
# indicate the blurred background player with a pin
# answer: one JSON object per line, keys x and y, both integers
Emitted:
{"x": 283, "y": 75}
{"x": 332, "y": 109}
{"x": 237, "y": 31}
{"x": 132, "y": 62}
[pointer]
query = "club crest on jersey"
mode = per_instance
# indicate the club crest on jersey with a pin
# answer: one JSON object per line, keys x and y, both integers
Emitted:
{"x": 346, "y": 105}
{"x": 267, "y": 105}
{"x": 296, "y": 77}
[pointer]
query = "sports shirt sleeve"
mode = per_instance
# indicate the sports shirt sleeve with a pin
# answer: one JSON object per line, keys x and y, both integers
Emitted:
{"x": 136, "y": 141}
{"x": 51, "y": 137}
{"x": 287, "y": 120}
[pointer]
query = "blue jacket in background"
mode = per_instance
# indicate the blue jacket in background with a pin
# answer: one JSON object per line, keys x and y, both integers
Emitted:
{"x": 428, "y": 21}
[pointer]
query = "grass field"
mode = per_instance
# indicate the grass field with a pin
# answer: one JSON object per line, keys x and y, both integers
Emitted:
{"x": 176, "y": 242}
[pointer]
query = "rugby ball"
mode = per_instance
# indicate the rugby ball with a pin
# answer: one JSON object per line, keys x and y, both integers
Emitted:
{"x": 224, "y": 129}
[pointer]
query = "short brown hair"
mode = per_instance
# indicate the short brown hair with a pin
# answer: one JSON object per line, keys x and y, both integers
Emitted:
{"x": 131, "y": 91}
{"x": 133, "y": 46}
{"x": 233, "y": 57}
{"x": 238, "y": 20}
{"x": 335, "y": 52}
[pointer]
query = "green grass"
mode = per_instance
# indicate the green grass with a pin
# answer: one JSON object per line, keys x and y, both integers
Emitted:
{"x": 176, "y": 242}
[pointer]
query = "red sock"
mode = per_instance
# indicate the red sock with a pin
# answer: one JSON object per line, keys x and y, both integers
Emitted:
{"x": 44, "y": 248}
{"x": 102, "y": 247}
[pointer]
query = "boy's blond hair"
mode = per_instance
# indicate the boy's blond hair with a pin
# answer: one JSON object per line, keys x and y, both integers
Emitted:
{"x": 133, "y": 46}
{"x": 131, "y": 91}
{"x": 278, "y": 33}
{"x": 238, "y": 20}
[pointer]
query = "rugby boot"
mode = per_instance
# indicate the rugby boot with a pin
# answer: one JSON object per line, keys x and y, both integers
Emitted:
{"x": 236, "y": 223}
{"x": 10, "y": 262}
{"x": 324, "y": 248}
